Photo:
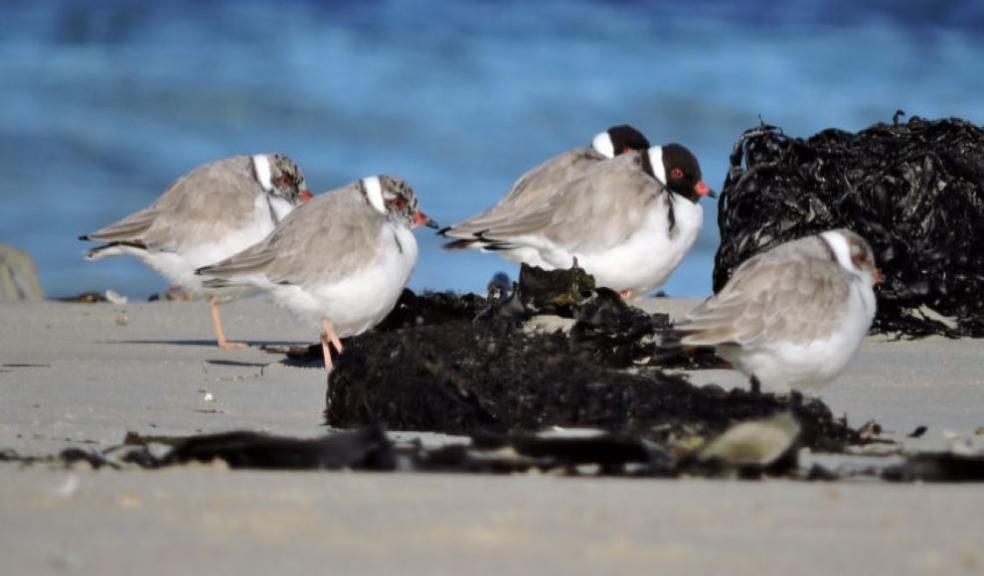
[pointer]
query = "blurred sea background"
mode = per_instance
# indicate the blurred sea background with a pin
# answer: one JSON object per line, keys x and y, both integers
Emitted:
{"x": 104, "y": 104}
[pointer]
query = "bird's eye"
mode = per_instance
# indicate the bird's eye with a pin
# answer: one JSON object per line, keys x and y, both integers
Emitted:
{"x": 676, "y": 173}
{"x": 286, "y": 180}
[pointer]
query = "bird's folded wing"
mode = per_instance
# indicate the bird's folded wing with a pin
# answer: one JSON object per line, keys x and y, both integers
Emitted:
{"x": 530, "y": 192}
{"x": 252, "y": 261}
{"x": 593, "y": 212}
{"x": 330, "y": 238}
{"x": 771, "y": 301}
{"x": 128, "y": 229}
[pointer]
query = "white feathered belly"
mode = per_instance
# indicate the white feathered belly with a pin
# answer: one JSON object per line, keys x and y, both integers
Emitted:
{"x": 782, "y": 367}
{"x": 362, "y": 300}
{"x": 646, "y": 260}
{"x": 179, "y": 267}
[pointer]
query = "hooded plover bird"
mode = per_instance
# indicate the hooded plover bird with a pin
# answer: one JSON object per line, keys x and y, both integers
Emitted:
{"x": 209, "y": 214}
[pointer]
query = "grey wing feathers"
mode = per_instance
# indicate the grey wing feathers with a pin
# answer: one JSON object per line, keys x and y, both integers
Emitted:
{"x": 592, "y": 212}
{"x": 202, "y": 206}
{"x": 503, "y": 230}
{"x": 128, "y": 229}
{"x": 536, "y": 184}
{"x": 257, "y": 260}
{"x": 497, "y": 233}
{"x": 328, "y": 238}
{"x": 531, "y": 191}
{"x": 253, "y": 260}
{"x": 770, "y": 300}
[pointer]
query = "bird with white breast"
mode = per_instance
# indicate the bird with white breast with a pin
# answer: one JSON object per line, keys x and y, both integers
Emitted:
{"x": 209, "y": 214}
{"x": 339, "y": 262}
{"x": 793, "y": 317}
{"x": 627, "y": 221}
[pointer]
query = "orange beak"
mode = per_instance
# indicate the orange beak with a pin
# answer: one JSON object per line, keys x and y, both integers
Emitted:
{"x": 421, "y": 219}
{"x": 879, "y": 277}
{"x": 703, "y": 190}
{"x": 305, "y": 195}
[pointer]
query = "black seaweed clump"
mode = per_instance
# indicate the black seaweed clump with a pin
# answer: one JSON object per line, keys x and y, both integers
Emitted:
{"x": 370, "y": 448}
{"x": 470, "y": 375}
{"x": 914, "y": 190}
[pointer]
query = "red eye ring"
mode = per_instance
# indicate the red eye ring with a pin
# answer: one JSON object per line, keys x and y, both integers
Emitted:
{"x": 676, "y": 173}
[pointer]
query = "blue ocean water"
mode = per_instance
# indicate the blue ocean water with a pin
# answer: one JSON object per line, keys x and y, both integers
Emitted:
{"x": 104, "y": 104}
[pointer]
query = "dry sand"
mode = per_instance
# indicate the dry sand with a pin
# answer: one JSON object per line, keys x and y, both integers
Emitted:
{"x": 84, "y": 375}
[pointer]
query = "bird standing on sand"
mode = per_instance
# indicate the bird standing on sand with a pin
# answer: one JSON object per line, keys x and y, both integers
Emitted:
{"x": 536, "y": 186}
{"x": 791, "y": 318}
{"x": 339, "y": 262}
{"x": 212, "y": 212}
{"x": 627, "y": 221}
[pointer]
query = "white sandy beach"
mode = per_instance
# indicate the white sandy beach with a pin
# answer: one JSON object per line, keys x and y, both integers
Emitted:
{"x": 84, "y": 375}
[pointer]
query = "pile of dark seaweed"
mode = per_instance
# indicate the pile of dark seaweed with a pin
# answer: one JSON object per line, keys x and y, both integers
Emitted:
{"x": 466, "y": 365}
{"x": 914, "y": 190}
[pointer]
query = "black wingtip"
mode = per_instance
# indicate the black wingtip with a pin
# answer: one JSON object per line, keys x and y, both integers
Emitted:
{"x": 95, "y": 251}
{"x": 84, "y": 237}
{"x": 216, "y": 283}
{"x": 462, "y": 244}
{"x": 444, "y": 231}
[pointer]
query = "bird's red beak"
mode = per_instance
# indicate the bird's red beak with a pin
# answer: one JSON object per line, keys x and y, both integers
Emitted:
{"x": 421, "y": 219}
{"x": 305, "y": 195}
{"x": 879, "y": 277}
{"x": 703, "y": 190}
